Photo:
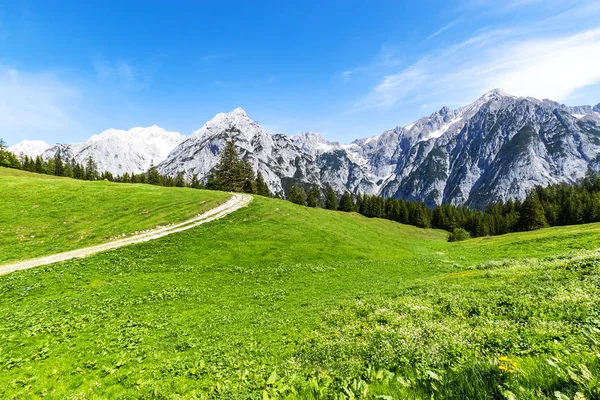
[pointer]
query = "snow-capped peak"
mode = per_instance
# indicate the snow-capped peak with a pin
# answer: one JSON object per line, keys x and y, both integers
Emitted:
{"x": 313, "y": 143}
{"x": 30, "y": 148}
{"x": 236, "y": 119}
{"x": 153, "y": 131}
{"x": 496, "y": 94}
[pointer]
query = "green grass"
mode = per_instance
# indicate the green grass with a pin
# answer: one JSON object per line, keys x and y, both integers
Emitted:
{"x": 42, "y": 214}
{"x": 277, "y": 300}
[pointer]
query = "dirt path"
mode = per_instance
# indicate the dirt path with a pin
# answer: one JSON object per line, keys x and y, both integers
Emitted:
{"x": 236, "y": 202}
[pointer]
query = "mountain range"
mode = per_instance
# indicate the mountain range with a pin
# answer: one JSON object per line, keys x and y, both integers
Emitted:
{"x": 498, "y": 147}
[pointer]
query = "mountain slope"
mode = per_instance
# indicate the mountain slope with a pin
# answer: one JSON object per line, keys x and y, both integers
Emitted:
{"x": 114, "y": 150}
{"x": 276, "y": 157}
{"x": 42, "y": 214}
{"x": 29, "y": 148}
{"x": 498, "y": 147}
{"x": 323, "y": 298}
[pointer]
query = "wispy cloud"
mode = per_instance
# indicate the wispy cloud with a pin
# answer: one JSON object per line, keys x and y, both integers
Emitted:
{"x": 443, "y": 29}
{"x": 34, "y": 104}
{"x": 540, "y": 60}
{"x": 386, "y": 58}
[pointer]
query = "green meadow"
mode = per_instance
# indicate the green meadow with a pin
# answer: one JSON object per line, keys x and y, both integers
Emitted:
{"x": 44, "y": 214}
{"x": 282, "y": 301}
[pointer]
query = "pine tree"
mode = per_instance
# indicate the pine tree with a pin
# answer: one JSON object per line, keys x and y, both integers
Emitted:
{"x": 59, "y": 169}
{"x": 297, "y": 195}
{"x": 532, "y": 213}
{"x": 39, "y": 165}
{"x": 8, "y": 159}
{"x": 330, "y": 199}
{"x": 153, "y": 175}
{"x": 49, "y": 170}
{"x": 180, "y": 180}
{"x": 230, "y": 173}
{"x": 249, "y": 179}
{"x": 91, "y": 169}
{"x": 262, "y": 188}
{"x": 68, "y": 172}
{"x": 195, "y": 182}
{"x": 346, "y": 202}
{"x": 314, "y": 197}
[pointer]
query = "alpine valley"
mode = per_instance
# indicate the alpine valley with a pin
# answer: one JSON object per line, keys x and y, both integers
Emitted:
{"x": 498, "y": 147}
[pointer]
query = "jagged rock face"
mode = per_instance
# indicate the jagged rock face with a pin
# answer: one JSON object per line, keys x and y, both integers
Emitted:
{"x": 119, "y": 151}
{"x": 501, "y": 148}
{"x": 498, "y": 147}
{"x": 276, "y": 157}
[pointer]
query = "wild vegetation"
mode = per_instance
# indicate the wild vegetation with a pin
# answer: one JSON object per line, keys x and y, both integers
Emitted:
{"x": 42, "y": 214}
{"x": 281, "y": 301}
{"x": 555, "y": 205}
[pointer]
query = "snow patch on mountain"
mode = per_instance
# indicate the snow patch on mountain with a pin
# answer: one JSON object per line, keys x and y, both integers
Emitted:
{"x": 498, "y": 147}
{"x": 119, "y": 151}
{"x": 29, "y": 148}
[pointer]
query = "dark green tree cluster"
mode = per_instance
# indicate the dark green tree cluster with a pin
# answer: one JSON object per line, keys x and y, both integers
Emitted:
{"x": 403, "y": 211}
{"x": 67, "y": 168}
{"x": 233, "y": 174}
{"x": 8, "y": 159}
{"x": 550, "y": 206}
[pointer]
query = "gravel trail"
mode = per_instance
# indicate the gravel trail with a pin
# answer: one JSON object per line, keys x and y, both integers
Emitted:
{"x": 236, "y": 202}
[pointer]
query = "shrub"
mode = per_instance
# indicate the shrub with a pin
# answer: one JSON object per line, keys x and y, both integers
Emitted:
{"x": 458, "y": 235}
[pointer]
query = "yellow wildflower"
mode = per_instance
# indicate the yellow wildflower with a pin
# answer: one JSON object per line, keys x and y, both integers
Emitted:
{"x": 506, "y": 364}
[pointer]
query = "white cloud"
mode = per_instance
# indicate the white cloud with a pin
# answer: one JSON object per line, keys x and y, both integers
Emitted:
{"x": 386, "y": 58}
{"x": 32, "y": 104}
{"x": 443, "y": 29}
{"x": 525, "y": 63}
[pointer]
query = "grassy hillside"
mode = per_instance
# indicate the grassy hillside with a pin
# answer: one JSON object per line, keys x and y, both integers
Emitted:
{"x": 277, "y": 300}
{"x": 43, "y": 214}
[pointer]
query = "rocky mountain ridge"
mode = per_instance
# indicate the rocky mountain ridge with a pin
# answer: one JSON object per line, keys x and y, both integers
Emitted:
{"x": 496, "y": 148}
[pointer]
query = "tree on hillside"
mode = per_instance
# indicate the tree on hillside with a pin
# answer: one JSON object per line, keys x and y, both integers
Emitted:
{"x": 180, "y": 180}
{"x": 230, "y": 174}
{"x": 153, "y": 175}
{"x": 297, "y": 195}
{"x": 8, "y": 159}
{"x": 330, "y": 199}
{"x": 532, "y": 213}
{"x": 346, "y": 202}
{"x": 59, "y": 169}
{"x": 262, "y": 188}
{"x": 195, "y": 182}
{"x": 314, "y": 197}
{"x": 68, "y": 171}
{"x": 91, "y": 170}
{"x": 49, "y": 170}
{"x": 39, "y": 165}
{"x": 249, "y": 185}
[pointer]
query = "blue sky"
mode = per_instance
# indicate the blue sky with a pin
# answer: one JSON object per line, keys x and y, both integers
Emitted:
{"x": 347, "y": 69}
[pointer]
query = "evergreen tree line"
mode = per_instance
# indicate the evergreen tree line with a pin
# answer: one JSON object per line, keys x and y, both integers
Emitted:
{"x": 53, "y": 166}
{"x": 555, "y": 205}
{"x": 8, "y": 159}
{"x": 231, "y": 174}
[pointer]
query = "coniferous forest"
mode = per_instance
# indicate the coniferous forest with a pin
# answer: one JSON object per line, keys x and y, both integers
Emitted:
{"x": 555, "y": 205}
